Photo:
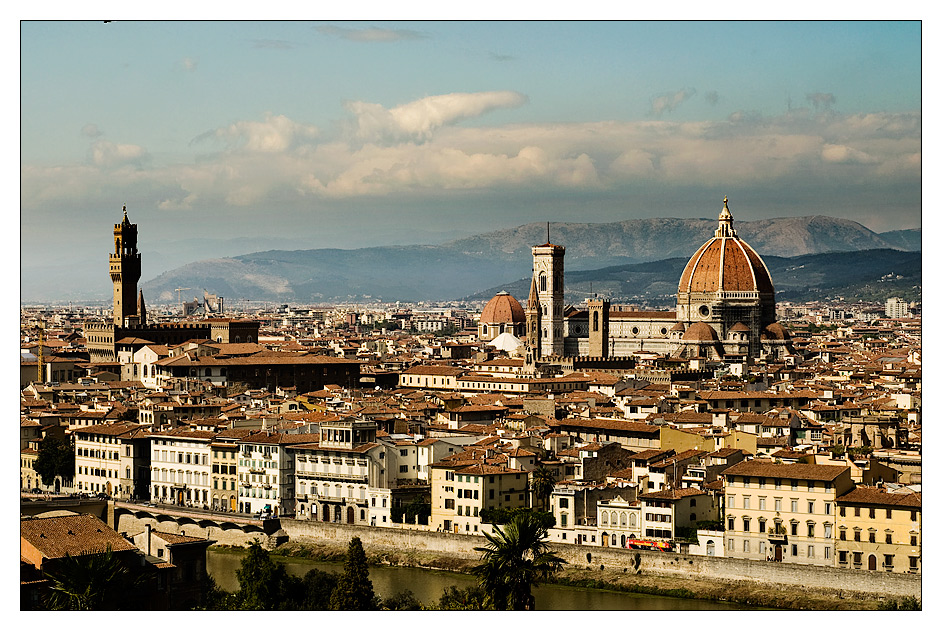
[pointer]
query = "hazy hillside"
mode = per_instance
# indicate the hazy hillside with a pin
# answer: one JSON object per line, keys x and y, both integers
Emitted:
{"x": 465, "y": 266}
{"x": 867, "y": 275}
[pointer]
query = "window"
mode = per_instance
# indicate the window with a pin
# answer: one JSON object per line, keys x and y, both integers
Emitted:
{"x": 913, "y": 564}
{"x": 889, "y": 537}
{"x": 404, "y": 468}
{"x": 843, "y": 511}
{"x": 794, "y": 506}
{"x": 794, "y": 549}
{"x": 794, "y": 529}
{"x": 912, "y": 540}
{"x": 810, "y": 552}
{"x": 778, "y": 504}
{"x": 761, "y": 503}
{"x": 745, "y": 502}
{"x": 827, "y": 508}
{"x": 888, "y": 561}
{"x": 856, "y": 535}
{"x": 827, "y": 552}
{"x": 732, "y": 524}
{"x": 842, "y": 557}
{"x": 872, "y": 536}
{"x": 810, "y": 530}
{"x": 731, "y": 501}
{"x": 827, "y": 531}
{"x": 564, "y": 502}
{"x": 811, "y": 508}
{"x": 889, "y": 513}
{"x": 873, "y": 513}
{"x": 856, "y": 511}
{"x": 745, "y": 524}
{"x": 745, "y": 545}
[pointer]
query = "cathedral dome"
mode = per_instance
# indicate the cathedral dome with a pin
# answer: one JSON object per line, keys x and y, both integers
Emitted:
{"x": 775, "y": 331}
{"x": 503, "y": 308}
{"x": 725, "y": 263}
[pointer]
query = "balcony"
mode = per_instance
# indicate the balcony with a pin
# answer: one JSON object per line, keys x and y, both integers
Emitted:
{"x": 777, "y": 533}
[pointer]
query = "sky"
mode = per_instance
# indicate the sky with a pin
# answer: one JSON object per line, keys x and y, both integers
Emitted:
{"x": 230, "y": 137}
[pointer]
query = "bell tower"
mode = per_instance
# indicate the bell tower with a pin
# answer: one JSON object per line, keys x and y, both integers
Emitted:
{"x": 548, "y": 278}
{"x": 124, "y": 265}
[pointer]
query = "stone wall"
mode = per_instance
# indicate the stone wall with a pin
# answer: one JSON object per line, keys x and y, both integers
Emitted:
{"x": 404, "y": 541}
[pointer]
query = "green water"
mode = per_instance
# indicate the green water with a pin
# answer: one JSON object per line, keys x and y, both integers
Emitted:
{"x": 428, "y": 585}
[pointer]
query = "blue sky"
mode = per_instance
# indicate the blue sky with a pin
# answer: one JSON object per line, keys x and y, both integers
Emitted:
{"x": 349, "y": 134}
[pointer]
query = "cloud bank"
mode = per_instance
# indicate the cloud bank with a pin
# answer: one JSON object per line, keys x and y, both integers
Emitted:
{"x": 419, "y": 150}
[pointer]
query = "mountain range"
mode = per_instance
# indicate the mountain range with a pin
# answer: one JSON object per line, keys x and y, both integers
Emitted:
{"x": 474, "y": 265}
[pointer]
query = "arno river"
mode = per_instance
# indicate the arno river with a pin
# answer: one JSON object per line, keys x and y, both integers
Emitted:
{"x": 428, "y": 585}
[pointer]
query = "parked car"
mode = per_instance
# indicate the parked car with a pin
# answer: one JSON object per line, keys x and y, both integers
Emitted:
{"x": 37, "y": 490}
{"x": 102, "y": 496}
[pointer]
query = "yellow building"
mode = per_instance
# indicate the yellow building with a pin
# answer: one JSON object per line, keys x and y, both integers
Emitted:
{"x": 879, "y": 531}
{"x": 783, "y": 512}
{"x": 460, "y": 491}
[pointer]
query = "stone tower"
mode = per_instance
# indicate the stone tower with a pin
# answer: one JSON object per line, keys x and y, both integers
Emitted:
{"x": 125, "y": 267}
{"x": 548, "y": 276}
{"x": 534, "y": 331}
{"x": 598, "y": 326}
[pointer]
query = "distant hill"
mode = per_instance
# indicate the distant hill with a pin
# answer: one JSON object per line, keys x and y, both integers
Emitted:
{"x": 910, "y": 240}
{"x": 470, "y": 265}
{"x": 866, "y": 275}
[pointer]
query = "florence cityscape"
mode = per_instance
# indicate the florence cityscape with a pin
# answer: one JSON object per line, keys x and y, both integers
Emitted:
{"x": 471, "y": 315}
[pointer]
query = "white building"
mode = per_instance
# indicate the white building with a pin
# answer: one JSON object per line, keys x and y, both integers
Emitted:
{"x": 267, "y": 472}
{"x": 180, "y": 467}
{"x": 111, "y": 459}
{"x": 897, "y": 308}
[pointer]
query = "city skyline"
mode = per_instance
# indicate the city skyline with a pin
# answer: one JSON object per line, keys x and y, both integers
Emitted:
{"x": 351, "y": 134}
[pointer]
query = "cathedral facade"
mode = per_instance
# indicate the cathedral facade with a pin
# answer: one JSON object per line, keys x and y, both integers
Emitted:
{"x": 725, "y": 310}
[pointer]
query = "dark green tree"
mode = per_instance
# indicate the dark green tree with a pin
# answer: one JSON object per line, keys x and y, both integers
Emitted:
{"x": 55, "y": 458}
{"x": 542, "y": 481}
{"x": 264, "y": 584}
{"x": 403, "y": 601}
{"x": 471, "y": 598}
{"x": 317, "y": 587}
{"x": 90, "y": 582}
{"x": 515, "y": 560}
{"x": 354, "y": 591}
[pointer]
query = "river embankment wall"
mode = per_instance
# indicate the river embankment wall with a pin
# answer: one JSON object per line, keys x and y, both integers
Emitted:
{"x": 410, "y": 545}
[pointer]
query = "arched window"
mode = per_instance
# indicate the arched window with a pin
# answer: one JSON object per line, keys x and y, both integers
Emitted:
{"x": 604, "y": 517}
{"x": 542, "y": 281}
{"x": 595, "y": 321}
{"x": 632, "y": 521}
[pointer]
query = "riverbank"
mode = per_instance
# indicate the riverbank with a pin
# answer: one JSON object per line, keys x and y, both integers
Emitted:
{"x": 741, "y": 592}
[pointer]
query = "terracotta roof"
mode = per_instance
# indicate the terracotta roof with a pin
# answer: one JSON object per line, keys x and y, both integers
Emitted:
{"x": 879, "y": 497}
{"x": 725, "y": 264}
{"x": 797, "y": 471}
{"x": 672, "y": 494}
{"x": 502, "y": 308}
{"x": 75, "y": 535}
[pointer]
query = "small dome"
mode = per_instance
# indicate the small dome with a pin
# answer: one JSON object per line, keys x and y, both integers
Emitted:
{"x": 678, "y": 327}
{"x": 775, "y": 331}
{"x": 700, "y": 332}
{"x": 739, "y": 327}
{"x": 503, "y": 308}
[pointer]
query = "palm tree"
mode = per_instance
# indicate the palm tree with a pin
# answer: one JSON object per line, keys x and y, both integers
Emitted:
{"x": 542, "y": 482}
{"x": 515, "y": 560}
{"x": 89, "y": 582}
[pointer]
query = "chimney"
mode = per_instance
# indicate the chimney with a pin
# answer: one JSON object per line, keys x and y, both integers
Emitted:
{"x": 147, "y": 539}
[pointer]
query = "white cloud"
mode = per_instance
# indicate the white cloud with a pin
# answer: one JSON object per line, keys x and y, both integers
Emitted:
{"x": 275, "y": 134}
{"x": 670, "y": 101}
{"x": 842, "y": 154}
{"x": 418, "y": 119}
{"x": 189, "y": 64}
{"x": 280, "y": 163}
{"x": 107, "y": 154}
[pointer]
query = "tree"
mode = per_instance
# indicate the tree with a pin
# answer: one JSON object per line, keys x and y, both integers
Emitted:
{"x": 354, "y": 591}
{"x": 89, "y": 582}
{"x": 403, "y": 601}
{"x": 317, "y": 587}
{"x": 264, "y": 583}
{"x": 55, "y": 458}
{"x": 515, "y": 560}
{"x": 542, "y": 482}
{"x": 471, "y": 598}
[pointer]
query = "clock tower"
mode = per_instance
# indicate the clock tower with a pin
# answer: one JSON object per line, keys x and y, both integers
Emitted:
{"x": 125, "y": 267}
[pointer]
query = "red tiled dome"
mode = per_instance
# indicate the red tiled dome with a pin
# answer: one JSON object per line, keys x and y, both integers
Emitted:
{"x": 725, "y": 263}
{"x": 700, "y": 332}
{"x": 503, "y": 308}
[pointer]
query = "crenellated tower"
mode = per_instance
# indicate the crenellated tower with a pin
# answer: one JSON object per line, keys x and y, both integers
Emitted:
{"x": 125, "y": 267}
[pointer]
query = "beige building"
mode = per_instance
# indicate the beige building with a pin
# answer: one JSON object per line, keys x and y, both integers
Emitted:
{"x": 783, "y": 512}
{"x": 460, "y": 491}
{"x": 879, "y": 531}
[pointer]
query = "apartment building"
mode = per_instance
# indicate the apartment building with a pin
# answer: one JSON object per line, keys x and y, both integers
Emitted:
{"x": 112, "y": 459}
{"x": 267, "y": 472}
{"x": 879, "y": 531}
{"x": 783, "y": 512}
{"x": 180, "y": 466}
{"x": 461, "y": 489}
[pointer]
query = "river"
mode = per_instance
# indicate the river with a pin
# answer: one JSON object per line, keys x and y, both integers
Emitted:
{"x": 428, "y": 585}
